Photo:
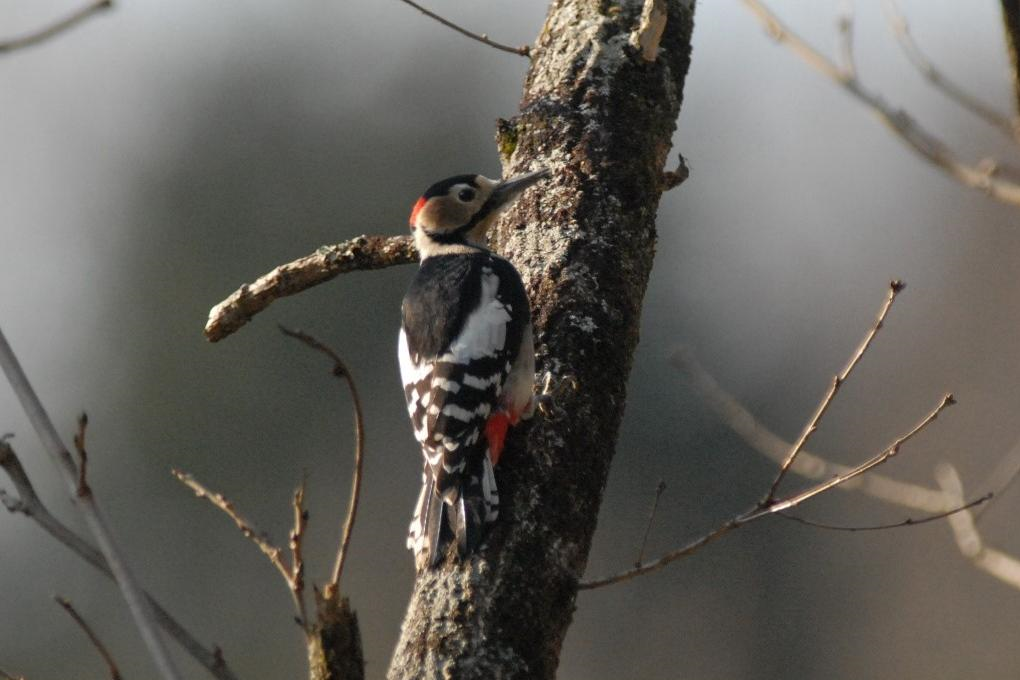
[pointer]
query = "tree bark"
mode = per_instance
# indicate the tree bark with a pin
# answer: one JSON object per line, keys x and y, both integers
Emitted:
{"x": 601, "y": 117}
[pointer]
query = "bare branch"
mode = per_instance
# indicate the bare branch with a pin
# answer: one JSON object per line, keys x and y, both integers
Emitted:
{"x": 133, "y": 595}
{"x": 297, "y": 536}
{"x": 1000, "y": 565}
{"x": 30, "y": 505}
{"x": 648, "y": 34}
{"x": 666, "y": 559}
{"x": 901, "y": 30}
{"x": 328, "y": 262}
{"x": 874, "y": 462}
{"x": 271, "y": 551}
{"x": 981, "y": 176}
{"x": 759, "y": 512}
{"x": 523, "y": 50}
{"x": 4, "y": 675}
{"x": 659, "y": 488}
{"x": 809, "y": 465}
{"x": 894, "y": 288}
{"x": 845, "y": 24}
{"x": 79, "y": 446}
{"x": 908, "y": 522}
{"x": 341, "y": 371}
{"x": 56, "y": 28}
{"x": 758, "y": 437}
{"x": 93, "y": 638}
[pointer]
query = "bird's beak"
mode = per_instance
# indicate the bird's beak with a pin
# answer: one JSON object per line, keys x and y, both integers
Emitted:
{"x": 509, "y": 189}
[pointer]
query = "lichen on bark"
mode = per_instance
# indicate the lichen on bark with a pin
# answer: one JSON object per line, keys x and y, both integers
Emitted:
{"x": 601, "y": 118}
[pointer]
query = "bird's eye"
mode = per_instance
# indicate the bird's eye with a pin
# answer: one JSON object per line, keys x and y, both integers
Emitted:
{"x": 466, "y": 195}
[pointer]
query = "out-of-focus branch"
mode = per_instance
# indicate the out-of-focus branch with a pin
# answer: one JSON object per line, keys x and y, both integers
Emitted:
{"x": 901, "y": 30}
{"x": 340, "y": 370}
{"x": 133, "y": 595}
{"x": 980, "y": 176}
{"x": 894, "y": 289}
{"x": 1004, "y": 567}
{"x": 939, "y": 502}
{"x": 778, "y": 506}
{"x": 29, "y": 504}
{"x": 83, "y": 456}
{"x": 4, "y": 675}
{"x": 111, "y": 665}
{"x": 326, "y": 263}
{"x": 808, "y": 464}
{"x": 56, "y": 28}
{"x": 523, "y": 50}
{"x": 769, "y": 505}
{"x": 261, "y": 540}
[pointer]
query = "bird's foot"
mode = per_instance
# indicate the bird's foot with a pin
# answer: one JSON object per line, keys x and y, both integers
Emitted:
{"x": 552, "y": 390}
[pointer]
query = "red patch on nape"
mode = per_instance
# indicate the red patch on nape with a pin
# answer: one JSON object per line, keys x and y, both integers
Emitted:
{"x": 495, "y": 432}
{"x": 415, "y": 210}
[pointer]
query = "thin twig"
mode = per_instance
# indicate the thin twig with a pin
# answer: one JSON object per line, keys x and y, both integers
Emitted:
{"x": 901, "y": 30}
{"x": 845, "y": 25}
{"x": 55, "y": 28}
{"x": 93, "y": 638}
{"x": 659, "y": 488}
{"x": 79, "y": 446}
{"x": 894, "y": 288}
{"x": 759, "y": 512}
{"x": 523, "y": 50}
{"x": 889, "y": 452}
{"x": 272, "y": 552}
{"x": 979, "y": 176}
{"x": 123, "y": 575}
{"x": 358, "y": 254}
{"x": 30, "y": 505}
{"x": 908, "y": 522}
{"x": 810, "y": 465}
{"x": 341, "y": 371}
{"x": 297, "y": 535}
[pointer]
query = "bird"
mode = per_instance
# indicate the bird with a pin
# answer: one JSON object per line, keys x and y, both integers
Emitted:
{"x": 467, "y": 359}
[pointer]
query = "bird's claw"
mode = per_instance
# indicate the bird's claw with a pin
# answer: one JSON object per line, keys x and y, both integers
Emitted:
{"x": 552, "y": 389}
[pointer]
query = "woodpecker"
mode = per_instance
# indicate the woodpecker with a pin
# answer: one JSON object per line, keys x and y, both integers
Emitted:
{"x": 467, "y": 359}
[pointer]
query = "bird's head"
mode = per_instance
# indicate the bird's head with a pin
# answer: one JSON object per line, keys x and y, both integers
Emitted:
{"x": 457, "y": 212}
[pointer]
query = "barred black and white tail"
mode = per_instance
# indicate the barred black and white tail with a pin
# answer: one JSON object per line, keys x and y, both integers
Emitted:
{"x": 462, "y": 515}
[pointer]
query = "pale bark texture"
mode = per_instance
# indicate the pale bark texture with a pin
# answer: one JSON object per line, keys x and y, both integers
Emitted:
{"x": 601, "y": 118}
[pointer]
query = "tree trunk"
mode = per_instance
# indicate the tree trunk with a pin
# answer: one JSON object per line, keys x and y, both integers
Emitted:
{"x": 1011, "y": 19}
{"x": 601, "y": 117}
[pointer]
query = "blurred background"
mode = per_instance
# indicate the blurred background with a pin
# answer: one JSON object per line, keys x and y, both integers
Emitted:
{"x": 160, "y": 155}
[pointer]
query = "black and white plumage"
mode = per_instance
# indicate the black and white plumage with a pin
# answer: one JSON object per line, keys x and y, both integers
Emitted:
{"x": 466, "y": 359}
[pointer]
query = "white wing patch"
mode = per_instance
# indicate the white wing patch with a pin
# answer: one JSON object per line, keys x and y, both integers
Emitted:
{"x": 484, "y": 333}
{"x": 410, "y": 372}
